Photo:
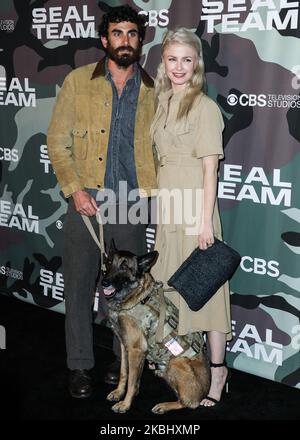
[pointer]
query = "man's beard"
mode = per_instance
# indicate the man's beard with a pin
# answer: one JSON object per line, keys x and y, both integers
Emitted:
{"x": 125, "y": 59}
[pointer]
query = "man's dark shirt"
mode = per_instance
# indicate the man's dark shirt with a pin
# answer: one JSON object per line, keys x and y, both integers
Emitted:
{"x": 120, "y": 162}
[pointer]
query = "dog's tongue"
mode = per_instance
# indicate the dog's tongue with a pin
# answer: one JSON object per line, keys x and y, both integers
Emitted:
{"x": 108, "y": 290}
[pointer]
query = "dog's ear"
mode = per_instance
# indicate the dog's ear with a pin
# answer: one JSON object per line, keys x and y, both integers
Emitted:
{"x": 112, "y": 248}
{"x": 145, "y": 262}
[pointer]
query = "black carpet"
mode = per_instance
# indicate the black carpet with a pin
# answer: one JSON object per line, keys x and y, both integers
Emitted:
{"x": 33, "y": 379}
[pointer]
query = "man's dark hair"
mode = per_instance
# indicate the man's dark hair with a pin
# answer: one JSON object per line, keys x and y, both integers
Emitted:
{"x": 123, "y": 13}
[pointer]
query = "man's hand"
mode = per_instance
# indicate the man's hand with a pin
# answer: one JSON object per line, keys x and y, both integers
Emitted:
{"x": 84, "y": 203}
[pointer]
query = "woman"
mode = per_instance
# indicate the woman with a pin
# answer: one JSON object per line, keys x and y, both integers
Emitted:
{"x": 187, "y": 133}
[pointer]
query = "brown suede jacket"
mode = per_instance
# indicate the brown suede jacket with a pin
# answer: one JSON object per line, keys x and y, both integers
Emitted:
{"x": 78, "y": 133}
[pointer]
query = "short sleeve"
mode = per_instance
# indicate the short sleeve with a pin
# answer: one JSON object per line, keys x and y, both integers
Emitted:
{"x": 210, "y": 125}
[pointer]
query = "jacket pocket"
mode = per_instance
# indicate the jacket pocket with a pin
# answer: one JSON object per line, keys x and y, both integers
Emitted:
{"x": 80, "y": 143}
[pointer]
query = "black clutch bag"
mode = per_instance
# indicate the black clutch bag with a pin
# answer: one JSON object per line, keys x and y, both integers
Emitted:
{"x": 204, "y": 272}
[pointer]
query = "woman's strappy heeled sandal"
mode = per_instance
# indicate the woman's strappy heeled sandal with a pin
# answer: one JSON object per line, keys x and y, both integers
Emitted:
{"x": 225, "y": 388}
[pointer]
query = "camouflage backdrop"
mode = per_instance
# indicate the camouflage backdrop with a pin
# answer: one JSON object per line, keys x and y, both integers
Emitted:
{"x": 251, "y": 51}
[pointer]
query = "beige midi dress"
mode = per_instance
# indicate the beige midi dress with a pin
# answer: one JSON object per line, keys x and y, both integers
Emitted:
{"x": 180, "y": 146}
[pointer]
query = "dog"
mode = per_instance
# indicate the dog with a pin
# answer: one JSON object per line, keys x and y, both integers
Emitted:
{"x": 134, "y": 305}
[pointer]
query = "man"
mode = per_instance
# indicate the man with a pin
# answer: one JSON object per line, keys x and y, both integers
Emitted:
{"x": 99, "y": 136}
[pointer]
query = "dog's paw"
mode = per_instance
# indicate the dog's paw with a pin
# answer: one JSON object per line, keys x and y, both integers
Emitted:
{"x": 120, "y": 407}
{"x": 159, "y": 409}
{"x": 115, "y": 395}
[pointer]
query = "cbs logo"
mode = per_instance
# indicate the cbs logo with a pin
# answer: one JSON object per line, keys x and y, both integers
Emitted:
{"x": 157, "y": 18}
{"x": 246, "y": 100}
{"x": 9, "y": 155}
{"x": 259, "y": 266}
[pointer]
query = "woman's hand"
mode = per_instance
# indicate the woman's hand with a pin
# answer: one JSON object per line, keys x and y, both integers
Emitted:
{"x": 206, "y": 236}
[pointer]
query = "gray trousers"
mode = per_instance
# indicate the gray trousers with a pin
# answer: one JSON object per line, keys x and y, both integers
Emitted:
{"x": 81, "y": 270}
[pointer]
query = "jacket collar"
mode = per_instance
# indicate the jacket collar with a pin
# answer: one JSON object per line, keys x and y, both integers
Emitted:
{"x": 100, "y": 71}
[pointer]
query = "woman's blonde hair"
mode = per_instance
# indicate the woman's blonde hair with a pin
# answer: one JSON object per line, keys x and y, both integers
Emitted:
{"x": 196, "y": 84}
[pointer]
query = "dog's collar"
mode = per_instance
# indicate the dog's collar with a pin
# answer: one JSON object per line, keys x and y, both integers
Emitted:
{"x": 145, "y": 300}
{"x": 155, "y": 288}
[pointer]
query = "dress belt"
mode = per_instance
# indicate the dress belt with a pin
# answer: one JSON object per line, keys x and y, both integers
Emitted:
{"x": 179, "y": 160}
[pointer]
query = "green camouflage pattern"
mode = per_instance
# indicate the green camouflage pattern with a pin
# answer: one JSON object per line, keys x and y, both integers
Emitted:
{"x": 253, "y": 76}
{"x": 147, "y": 314}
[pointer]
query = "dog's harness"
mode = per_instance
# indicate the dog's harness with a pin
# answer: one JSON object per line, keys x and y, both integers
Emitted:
{"x": 157, "y": 317}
